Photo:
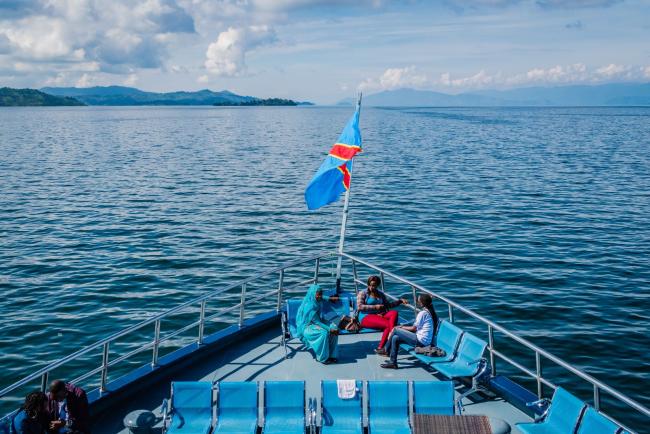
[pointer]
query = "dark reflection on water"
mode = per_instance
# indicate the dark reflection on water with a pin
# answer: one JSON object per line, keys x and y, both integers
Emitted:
{"x": 537, "y": 218}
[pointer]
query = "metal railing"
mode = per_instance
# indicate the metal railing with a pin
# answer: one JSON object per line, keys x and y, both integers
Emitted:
{"x": 154, "y": 345}
{"x": 597, "y": 385}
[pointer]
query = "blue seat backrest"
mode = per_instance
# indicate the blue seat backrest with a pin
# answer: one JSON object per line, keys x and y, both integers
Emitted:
{"x": 433, "y": 397}
{"x": 194, "y": 396}
{"x": 471, "y": 349}
{"x": 387, "y": 399}
{"x": 284, "y": 396}
{"x": 334, "y": 311}
{"x": 292, "y": 312}
{"x": 340, "y": 412}
{"x": 564, "y": 412}
{"x": 448, "y": 337}
{"x": 237, "y": 398}
{"x": 594, "y": 422}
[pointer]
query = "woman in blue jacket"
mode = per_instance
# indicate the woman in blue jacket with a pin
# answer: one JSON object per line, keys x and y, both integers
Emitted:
{"x": 32, "y": 417}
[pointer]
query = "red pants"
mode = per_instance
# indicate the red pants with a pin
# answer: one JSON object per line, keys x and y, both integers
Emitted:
{"x": 384, "y": 321}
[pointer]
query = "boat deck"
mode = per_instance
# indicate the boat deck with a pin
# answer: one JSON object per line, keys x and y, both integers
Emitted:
{"x": 263, "y": 358}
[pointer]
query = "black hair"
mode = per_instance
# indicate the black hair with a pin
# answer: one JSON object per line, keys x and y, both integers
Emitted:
{"x": 374, "y": 279}
{"x": 427, "y": 302}
{"x": 57, "y": 386}
{"x": 34, "y": 403}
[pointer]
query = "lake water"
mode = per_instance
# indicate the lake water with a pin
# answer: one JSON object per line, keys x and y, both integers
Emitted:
{"x": 537, "y": 218}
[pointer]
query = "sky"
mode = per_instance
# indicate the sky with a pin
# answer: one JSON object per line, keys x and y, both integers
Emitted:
{"x": 323, "y": 51}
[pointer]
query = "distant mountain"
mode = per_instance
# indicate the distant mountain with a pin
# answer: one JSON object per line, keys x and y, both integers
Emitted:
{"x": 30, "y": 97}
{"x": 129, "y": 96}
{"x": 625, "y": 94}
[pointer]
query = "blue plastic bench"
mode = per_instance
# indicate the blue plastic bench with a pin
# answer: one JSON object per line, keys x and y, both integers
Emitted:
{"x": 594, "y": 422}
{"x": 191, "y": 407}
{"x": 562, "y": 416}
{"x": 469, "y": 362}
{"x": 340, "y": 416}
{"x": 433, "y": 397}
{"x": 237, "y": 407}
{"x": 388, "y": 407}
{"x": 284, "y": 407}
{"x": 447, "y": 338}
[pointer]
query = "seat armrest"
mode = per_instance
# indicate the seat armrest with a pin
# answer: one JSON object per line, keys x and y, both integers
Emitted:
{"x": 164, "y": 410}
{"x": 541, "y": 403}
{"x": 284, "y": 322}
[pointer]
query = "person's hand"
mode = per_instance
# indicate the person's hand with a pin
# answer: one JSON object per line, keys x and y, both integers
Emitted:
{"x": 334, "y": 331}
{"x": 334, "y": 298}
{"x": 379, "y": 307}
{"x": 404, "y": 301}
{"x": 57, "y": 424}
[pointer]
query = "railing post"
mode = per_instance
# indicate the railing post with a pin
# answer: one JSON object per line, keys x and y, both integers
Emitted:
{"x": 538, "y": 377}
{"x": 44, "y": 382}
{"x": 383, "y": 287}
{"x": 356, "y": 277}
{"x": 241, "y": 306}
{"x": 102, "y": 383}
{"x": 280, "y": 284}
{"x": 201, "y": 322}
{"x": 451, "y": 313}
{"x": 156, "y": 342}
{"x": 596, "y": 397}
{"x": 415, "y": 302}
{"x": 491, "y": 342}
{"x": 316, "y": 270}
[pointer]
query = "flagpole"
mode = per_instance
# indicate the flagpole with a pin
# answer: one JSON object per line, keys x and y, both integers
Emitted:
{"x": 344, "y": 221}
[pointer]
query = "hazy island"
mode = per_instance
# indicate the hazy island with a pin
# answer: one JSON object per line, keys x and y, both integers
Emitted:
{"x": 130, "y": 96}
{"x": 33, "y": 98}
{"x": 261, "y": 101}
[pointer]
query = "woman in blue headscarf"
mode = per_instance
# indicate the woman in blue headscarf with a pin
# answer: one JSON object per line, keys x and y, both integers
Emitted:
{"x": 322, "y": 338}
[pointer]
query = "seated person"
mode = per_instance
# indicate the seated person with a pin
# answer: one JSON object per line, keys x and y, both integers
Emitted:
{"x": 68, "y": 409}
{"x": 374, "y": 310}
{"x": 32, "y": 417}
{"x": 318, "y": 336}
{"x": 420, "y": 334}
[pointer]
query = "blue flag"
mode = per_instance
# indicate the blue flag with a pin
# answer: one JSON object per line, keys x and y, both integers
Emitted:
{"x": 334, "y": 175}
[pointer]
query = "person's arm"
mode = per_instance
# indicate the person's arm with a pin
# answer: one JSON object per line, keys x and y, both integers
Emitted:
{"x": 331, "y": 298}
{"x": 392, "y": 303}
{"x": 80, "y": 419}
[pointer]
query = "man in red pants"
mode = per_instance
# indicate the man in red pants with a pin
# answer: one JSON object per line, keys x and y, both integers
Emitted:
{"x": 374, "y": 310}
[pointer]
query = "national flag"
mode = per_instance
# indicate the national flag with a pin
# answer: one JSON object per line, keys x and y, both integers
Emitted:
{"x": 334, "y": 175}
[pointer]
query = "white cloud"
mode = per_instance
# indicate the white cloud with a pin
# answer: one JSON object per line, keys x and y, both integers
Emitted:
{"x": 116, "y": 32}
{"x": 86, "y": 80}
{"x": 131, "y": 80}
{"x": 227, "y": 55}
{"x": 480, "y": 79}
{"x": 577, "y": 73}
{"x": 395, "y": 78}
{"x": 39, "y": 38}
{"x": 646, "y": 72}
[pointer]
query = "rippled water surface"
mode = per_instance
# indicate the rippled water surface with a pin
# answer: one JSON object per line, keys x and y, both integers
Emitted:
{"x": 538, "y": 219}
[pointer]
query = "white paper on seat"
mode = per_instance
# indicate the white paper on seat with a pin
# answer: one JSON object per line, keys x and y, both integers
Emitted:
{"x": 347, "y": 389}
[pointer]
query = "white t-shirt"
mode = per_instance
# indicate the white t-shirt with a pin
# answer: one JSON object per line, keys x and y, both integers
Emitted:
{"x": 424, "y": 327}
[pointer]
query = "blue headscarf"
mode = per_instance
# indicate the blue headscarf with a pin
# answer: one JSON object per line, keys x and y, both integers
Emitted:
{"x": 308, "y": 311}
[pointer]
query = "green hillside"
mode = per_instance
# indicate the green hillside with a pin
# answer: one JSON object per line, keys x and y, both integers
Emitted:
{"x": 30, "y": 97}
